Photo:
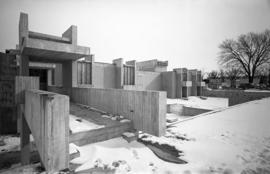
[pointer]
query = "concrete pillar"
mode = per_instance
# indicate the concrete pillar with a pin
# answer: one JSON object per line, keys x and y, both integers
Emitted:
{"x": 69, "y": 74}
{"x": 23, "y": 29}
{"x": 119, "y": 72}
{"x": 179, "y": 80}
{"x": 193, "y": 76}
{"x": 49, "y": 77}
{"x": 71, "y": 33}
{"x": 24, "y": 65}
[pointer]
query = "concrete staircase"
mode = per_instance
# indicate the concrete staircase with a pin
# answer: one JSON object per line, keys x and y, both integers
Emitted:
{"x": 111, "y": 129}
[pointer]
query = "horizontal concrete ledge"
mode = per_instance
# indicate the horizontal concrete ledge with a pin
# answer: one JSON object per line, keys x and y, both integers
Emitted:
{"x": 40, "y": 65}
{"x": 49, "y": 49}
{"x": 186, "y": 83}
{"x": 102, "y": 134}
{"x": 200, "y": 83}
{"x": 42, "y": 36}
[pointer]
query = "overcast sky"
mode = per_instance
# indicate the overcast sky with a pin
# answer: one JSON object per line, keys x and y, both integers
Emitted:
{"x": 184, "y": 32}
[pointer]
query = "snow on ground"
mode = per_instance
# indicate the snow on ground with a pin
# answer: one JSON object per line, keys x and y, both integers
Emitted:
{"x": 10, "y": 143}
{"x": 237, "y": 138}
{"x": 134, "y": 157}
{"x": 234, "y": 140}
{"x": 211, "y": 103}
{"x": 77, "y": 124}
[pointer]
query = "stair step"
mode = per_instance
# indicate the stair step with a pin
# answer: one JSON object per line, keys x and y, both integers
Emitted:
{"x": 130, "y": 136}
{"x": 102, "y": 134}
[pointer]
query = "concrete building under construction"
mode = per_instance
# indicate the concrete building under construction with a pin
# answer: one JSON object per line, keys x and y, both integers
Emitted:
{"x": 48, "y": 80}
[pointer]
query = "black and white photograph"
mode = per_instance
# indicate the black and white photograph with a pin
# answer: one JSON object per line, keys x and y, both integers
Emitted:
{"x": 134, "y": 86}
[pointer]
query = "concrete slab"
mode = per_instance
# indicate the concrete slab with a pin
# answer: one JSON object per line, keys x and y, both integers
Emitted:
{"x": 53, "y": 51}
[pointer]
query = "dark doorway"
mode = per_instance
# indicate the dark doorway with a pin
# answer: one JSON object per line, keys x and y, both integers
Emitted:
{"x": 42, "y": 74}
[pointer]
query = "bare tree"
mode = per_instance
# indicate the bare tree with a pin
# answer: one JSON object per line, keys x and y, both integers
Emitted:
{"x": 222, "y": 75}
{"x": 233, "y": 73}
{"x": 213, "y": 75}
{"x": 249, "y": 52}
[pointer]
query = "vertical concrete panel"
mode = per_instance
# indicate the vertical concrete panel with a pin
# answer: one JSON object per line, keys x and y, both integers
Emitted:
{"x": 47, "y": 116}
{"x": 169, "y": 83}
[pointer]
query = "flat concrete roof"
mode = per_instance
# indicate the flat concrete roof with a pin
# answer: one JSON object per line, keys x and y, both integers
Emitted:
{"x": 46, "y": 50}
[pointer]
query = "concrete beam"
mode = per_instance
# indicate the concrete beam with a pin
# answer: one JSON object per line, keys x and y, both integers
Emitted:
{"x": 119, "y": 72}
{"x": 70, "y": 74}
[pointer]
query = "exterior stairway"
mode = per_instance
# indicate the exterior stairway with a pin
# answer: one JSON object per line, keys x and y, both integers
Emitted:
{"x": 111, "y": 128}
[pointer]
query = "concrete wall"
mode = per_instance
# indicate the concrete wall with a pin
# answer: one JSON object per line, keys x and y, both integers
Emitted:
{"x": 146, "y": 109}
{"x": 236, "y": 96}
{"x": 8, "y": 118}
{"x": 184, "y": 110}
{"x": 169, "y": 83}
{"x": 104, "y": 75}
{"x": 146, "y": 65}
{"x": 149, "y": 80}
{"x": 47, "y": 116}
{"x": 59, "y": 90}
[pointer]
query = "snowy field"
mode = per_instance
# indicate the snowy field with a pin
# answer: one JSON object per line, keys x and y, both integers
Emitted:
{"x": 211, "y": 103}
{"x": 235, "y": 140}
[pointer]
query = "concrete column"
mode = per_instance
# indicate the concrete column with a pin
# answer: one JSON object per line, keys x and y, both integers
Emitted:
{"x": 71, "y": 33}
{"x": 24, "y": 65}
{"x": 178, "y": 84}
{"x": 193, "y": 76}
{"x": 69, "y": 74}
{"x": 23, "y": 29}
{"x": 49, "y": 77}
{"x": 119, "y": 72}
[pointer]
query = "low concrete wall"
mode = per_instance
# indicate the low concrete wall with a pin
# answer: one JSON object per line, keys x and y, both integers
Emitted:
{"x": 47, "y": 116}
{"x": 182, "y": 110}
{"x": 236, "y": 96}
{"x": 59, "y": 90}
{"x": 146, "y": 109}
